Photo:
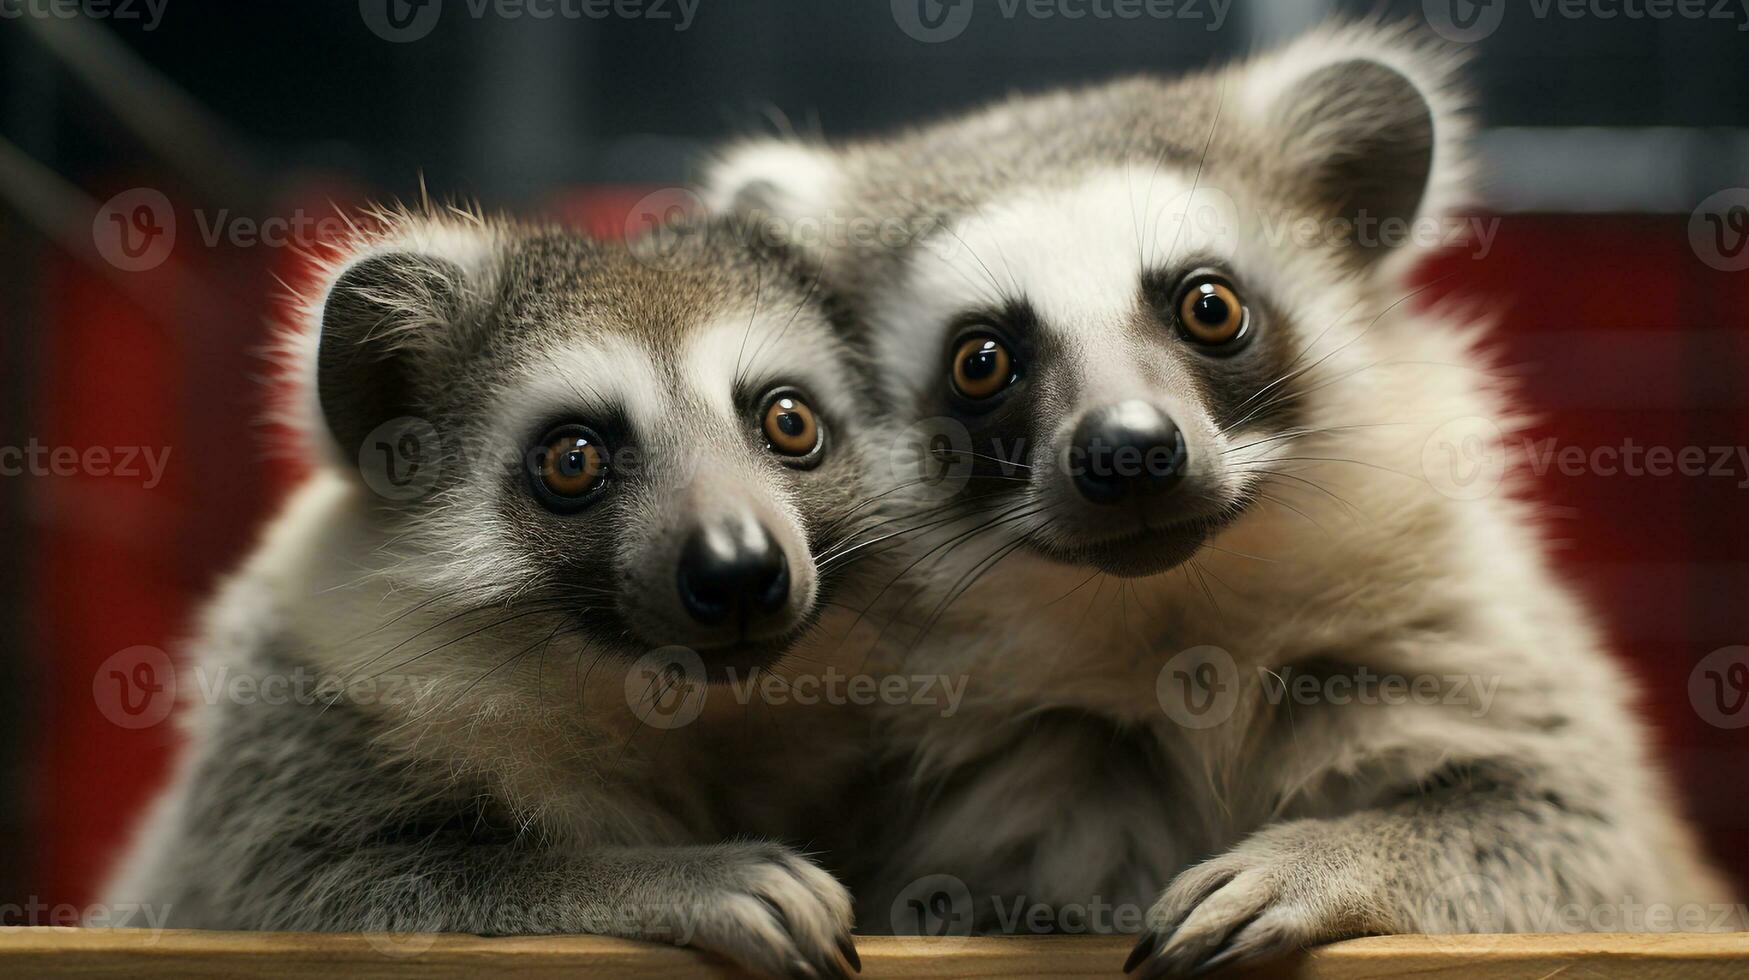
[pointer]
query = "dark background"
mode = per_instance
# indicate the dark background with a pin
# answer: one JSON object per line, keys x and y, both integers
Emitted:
{"x": 1602, "y": 135}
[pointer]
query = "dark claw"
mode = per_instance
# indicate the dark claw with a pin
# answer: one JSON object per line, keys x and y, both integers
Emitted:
{"x": 1145, "y": 948}
{"x": 1214, "y": 963}
{"x": 1158, "y": 969}
{"x": 1220, "y": 953}
{"x": 848, "y": 948}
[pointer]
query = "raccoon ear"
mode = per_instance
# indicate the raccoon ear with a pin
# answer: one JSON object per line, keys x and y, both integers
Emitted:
{"x": 376, "y": 314}
{"x": 773, "y": 180}
{"x": 1371, "y": 134}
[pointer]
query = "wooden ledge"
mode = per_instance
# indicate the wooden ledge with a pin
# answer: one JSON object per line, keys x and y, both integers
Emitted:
{"x": 64, "y": 952}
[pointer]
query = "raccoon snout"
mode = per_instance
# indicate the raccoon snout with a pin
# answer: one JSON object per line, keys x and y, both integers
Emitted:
{"x": 1126, "y": 449}
{"x": 733, "y": 570}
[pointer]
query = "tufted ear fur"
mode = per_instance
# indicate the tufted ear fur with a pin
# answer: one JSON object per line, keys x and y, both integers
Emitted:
{"x": 1368, "y": 122}
{"x": 783, "y": 182}
{"x": 378, "y": 313}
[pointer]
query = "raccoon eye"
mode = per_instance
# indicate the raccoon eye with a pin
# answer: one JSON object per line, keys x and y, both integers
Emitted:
{"x": 568, "y": 468}
{"x": 1211, "y": 313}
{"x": 982, "y": 367}
{"x": 791, "y": 428}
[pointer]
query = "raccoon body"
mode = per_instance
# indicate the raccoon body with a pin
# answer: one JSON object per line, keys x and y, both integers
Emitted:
{"x": 1113, "y": 274}
{"x": 498, "y": 716}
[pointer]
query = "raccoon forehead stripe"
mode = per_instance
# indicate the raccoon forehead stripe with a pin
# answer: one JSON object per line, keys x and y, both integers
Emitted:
{"x": 1075, "y": 253}
{"x": 771, "y": 348}
{"x": 608, "y": 373}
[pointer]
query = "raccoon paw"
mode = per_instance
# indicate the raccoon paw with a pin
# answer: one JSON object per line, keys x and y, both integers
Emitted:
{"x": 774, "y": 913}
{"x": 1269, "y": 896}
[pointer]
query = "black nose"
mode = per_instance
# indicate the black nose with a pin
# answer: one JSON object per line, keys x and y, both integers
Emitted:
{"x": 732, "y": 569}
{"x": 1128, "y": 448}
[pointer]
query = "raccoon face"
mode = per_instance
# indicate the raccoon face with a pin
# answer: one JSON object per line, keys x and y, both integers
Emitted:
{"x": 1126, "y": 346}
{"x": 643, "y": 456}
{"x": 1106, "y": 384}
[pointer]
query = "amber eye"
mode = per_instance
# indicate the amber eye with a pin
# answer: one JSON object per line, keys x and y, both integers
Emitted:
{"x": 1211, "y": 312}
{"x": 982, "y": 367}
{"x": 790, "y": 426}
{"x": 568, "y": 468}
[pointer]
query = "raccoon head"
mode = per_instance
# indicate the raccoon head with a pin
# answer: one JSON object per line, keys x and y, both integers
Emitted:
{"x": 639, "y": 450}
{"x": 1120, "y": 307}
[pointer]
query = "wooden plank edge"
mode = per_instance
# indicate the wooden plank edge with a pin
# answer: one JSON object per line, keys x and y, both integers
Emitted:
{"x": 59, "y": 951}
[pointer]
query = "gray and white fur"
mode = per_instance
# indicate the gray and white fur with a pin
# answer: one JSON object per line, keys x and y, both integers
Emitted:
{"x": 1318, "y": 529}
{"x": 479, "y": 742}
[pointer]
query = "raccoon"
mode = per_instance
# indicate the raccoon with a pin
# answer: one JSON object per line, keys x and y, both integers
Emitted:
{"x": 1192, "y": 467}
{"x": 496, "y": 711}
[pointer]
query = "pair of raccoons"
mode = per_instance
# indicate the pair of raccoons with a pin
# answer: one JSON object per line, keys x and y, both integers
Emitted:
{"x": 1171, "y": 483}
